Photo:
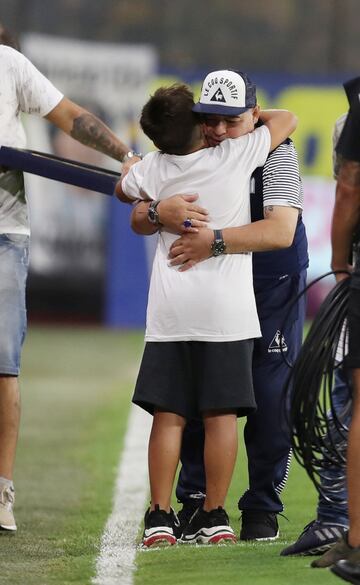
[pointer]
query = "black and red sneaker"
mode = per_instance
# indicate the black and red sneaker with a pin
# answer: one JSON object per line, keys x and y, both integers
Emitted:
{"x": 159, "y": 527}
{"x": 209, "y": 528}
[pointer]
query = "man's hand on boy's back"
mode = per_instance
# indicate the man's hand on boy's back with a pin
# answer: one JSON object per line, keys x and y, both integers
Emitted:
{"x": 190, "y": 249}
{"x": 180, "y": 213}
{"x": 175, "y": 214}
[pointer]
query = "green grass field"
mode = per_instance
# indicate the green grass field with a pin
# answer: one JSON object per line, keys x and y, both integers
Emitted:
{"x": 76, "y": 389}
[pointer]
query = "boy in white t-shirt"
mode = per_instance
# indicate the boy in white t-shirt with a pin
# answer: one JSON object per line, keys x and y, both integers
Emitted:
{"x": 199, "y": 328}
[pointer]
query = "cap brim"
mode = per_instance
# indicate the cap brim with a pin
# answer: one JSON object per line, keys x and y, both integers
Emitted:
{"x": 219, "y": 109}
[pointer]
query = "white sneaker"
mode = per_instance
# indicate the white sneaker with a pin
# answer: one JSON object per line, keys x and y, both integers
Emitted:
{"x": 7, "y": 500}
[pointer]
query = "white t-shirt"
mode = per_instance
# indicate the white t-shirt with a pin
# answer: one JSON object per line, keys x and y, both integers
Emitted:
{"x": 214, "y": 301}
{"x": 23, "y": 89}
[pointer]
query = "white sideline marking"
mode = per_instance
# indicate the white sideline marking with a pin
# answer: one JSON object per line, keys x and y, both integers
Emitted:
{"x": 115, "y": 564}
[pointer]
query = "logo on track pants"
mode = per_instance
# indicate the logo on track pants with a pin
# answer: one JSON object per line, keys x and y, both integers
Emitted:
{"x": 277, "y": 343}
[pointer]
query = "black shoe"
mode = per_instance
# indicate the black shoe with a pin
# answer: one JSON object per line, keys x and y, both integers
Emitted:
{"x": 348, "y": 571}
{"x": 209, "y": 528}
{"x": 316, "y": 538}
{"x": 159, "y": 527}
{"x": 185, "y": 514}
{"x": 259, "y": 525}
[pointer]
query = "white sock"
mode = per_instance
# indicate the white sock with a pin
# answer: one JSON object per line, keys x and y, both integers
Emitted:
{"x": 6, "y": 482}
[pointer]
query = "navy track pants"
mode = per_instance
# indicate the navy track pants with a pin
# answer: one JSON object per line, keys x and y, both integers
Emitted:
{"x": 266, "y": 435}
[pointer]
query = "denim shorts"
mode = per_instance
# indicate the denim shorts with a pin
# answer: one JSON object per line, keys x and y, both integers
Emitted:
{"x": 14, "y": 262}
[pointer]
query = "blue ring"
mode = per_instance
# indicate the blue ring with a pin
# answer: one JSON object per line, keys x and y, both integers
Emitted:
{"x": 187, "y": 223}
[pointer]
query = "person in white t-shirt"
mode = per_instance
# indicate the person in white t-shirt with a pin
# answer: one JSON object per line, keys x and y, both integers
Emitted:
{"x": 25, "y": 89}
{"x": 200, "y": 323}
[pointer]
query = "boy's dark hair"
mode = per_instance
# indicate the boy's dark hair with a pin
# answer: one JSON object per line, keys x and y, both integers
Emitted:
{"x": 168, "y": 120}
{"x": 7, "y": 38}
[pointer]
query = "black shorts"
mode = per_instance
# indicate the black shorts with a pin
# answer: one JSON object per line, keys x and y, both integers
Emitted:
{"x": 353, "y": 359}
{"x": 192, "y": 377}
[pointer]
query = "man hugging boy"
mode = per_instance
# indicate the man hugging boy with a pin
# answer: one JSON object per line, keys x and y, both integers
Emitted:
{"x": 201, "y": 323}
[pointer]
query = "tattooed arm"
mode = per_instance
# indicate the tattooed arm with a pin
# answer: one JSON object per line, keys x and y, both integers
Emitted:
{"x": 346, "y": 214}
{"x": 275, "y": 231}
{"x": 87, "y": 129}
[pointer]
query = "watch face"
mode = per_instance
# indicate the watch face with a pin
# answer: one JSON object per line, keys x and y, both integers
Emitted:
{"x": 153, "y": 215}
{"x": 218, "y": 247}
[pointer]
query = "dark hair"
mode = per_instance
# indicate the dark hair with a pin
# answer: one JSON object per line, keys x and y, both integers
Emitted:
{"x": 168, "y": 120}
{"x": 7, "y": 38}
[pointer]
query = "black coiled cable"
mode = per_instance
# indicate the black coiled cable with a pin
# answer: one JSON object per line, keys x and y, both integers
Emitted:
{"x": 319, "y": 427}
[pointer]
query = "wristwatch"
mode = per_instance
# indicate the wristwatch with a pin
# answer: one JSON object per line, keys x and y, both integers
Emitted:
{"x": 153, "y": 214}
{"x": 218, "y": 246}
{"x": 130, "y": 154}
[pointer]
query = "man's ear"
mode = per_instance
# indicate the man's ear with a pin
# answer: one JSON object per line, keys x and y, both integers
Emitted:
{"x": 256, "y": 114}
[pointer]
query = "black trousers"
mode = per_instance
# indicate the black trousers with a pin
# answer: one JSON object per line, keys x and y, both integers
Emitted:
{"x": 353, "y": 360}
